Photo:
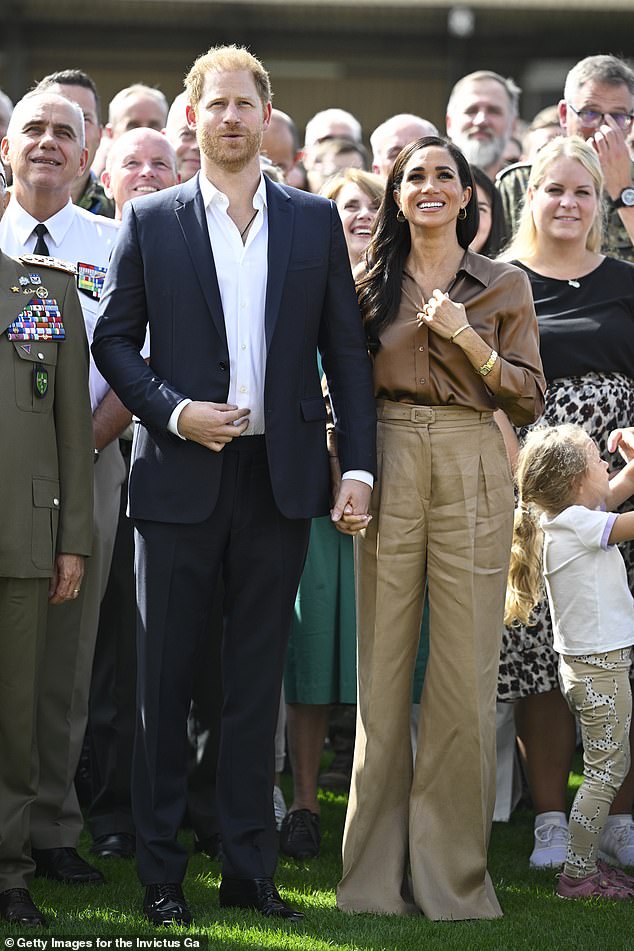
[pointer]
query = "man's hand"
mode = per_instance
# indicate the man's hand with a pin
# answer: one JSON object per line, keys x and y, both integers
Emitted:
{"x": 350, "y": 511}
{"x": 212, "y": 424}
{"x": 616, "y": 163}
{"x": 623, "y": 440}
{"x": 66, "y": 581}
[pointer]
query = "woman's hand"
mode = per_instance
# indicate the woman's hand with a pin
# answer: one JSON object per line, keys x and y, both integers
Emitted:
{"x": 442, "y": 315}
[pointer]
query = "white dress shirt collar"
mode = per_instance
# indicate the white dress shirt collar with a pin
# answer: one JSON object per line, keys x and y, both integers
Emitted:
{"x": 57, "y": 225}
{"x": 213, "y": 196}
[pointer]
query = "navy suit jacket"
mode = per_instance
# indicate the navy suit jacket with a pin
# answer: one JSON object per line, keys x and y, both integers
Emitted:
{"x": 162, "y": 273}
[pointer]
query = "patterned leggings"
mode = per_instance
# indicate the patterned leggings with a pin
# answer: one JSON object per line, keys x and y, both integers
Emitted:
{"x": 597, "y": 689}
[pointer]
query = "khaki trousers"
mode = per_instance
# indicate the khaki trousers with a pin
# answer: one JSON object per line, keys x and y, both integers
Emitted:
{"x": 23, "y": 603}
{"x": 71, "y": 632}
{"x": 442, "y": 513}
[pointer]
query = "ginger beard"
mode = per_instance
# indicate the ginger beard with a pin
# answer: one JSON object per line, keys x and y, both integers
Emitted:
{"x": 230, "y": 154}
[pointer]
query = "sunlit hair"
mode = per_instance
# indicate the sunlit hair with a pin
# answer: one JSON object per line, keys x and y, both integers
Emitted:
{"x": 118, "y": 103}
{"x": 526, "y": 238}
{"x": 221, "y": 59}
{"x": 368, "y": 182}
{"x": 550, "y": 466}
{"x": 604, "y": 69}
{"x": 509, "y": 86}
{"x": 22, "y": 107}
{"x": 321, "y": 120}
{"x": 379, "y": 291}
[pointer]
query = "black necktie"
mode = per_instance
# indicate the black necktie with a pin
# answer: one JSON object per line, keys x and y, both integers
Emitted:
{"x": 41, "y": 246}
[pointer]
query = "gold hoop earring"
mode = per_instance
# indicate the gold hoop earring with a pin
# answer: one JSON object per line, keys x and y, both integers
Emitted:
{"x": 400, "y": 216}
{"x": 462, "y": 214}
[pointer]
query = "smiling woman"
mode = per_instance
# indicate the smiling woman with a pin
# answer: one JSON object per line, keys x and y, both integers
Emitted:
{"x": 453, "y": 337}
{"x": 358, "y": 195}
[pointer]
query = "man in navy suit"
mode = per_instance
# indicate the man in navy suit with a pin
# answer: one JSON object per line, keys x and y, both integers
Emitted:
{"x": 241, "y": 281}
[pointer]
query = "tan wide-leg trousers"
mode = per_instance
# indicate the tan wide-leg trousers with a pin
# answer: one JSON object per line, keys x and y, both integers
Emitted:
{"x": 442, "y": 511}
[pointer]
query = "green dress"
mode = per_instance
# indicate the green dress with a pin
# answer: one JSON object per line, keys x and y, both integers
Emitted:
{"x": 321, "y": 664}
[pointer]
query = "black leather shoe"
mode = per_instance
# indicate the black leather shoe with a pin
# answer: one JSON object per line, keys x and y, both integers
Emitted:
{"x": 16, "y": 907}
{"x": 257, "y": 893}
{"x": 65, "y": 865}
{"x": 117, "y": 845}
{"x": 211, "y": 846}
{"x": 164, "y": 904}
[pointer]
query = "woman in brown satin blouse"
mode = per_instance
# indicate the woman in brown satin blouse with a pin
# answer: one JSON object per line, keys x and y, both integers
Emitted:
{"x": 453, "y": 337}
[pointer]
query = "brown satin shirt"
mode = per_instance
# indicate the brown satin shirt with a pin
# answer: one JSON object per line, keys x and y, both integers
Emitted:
{"x": 415, "y": 365}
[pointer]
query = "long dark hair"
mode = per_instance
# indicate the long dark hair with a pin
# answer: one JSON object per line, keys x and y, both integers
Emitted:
{"x": 498, "y": 234}
{"x": 379, "y": 290}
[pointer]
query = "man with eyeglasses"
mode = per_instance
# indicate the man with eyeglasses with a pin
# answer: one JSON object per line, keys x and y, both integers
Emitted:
{"x": 598, "y": 105}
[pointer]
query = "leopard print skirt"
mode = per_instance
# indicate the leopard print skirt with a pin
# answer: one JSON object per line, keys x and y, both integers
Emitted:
{"x": 599, "y": 402}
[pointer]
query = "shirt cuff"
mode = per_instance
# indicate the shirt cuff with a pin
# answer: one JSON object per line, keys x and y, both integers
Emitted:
{"x": 172, "y": 423}
{"x": 360, "y": 475}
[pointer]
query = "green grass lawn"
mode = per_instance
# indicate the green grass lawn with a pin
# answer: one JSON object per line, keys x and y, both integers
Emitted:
{"x": 534, "y": 918}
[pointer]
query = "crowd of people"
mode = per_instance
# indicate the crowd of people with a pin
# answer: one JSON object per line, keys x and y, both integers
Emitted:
{"x": 262, "y": 407}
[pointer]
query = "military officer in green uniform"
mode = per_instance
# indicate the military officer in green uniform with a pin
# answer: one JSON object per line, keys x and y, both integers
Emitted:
{"x": 47, "y": 498}
{"x": 598, "y": 105}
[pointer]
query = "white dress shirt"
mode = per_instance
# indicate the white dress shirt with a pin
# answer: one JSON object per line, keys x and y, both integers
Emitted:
{"x": 74, "y": 235}
{"x": 242, "y": 271}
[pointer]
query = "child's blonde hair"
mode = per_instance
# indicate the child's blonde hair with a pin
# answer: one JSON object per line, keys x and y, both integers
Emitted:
{"x": 550, "y": 467}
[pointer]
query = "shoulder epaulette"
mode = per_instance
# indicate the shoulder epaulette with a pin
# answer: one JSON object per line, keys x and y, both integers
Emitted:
{"x": 42, "y": 260}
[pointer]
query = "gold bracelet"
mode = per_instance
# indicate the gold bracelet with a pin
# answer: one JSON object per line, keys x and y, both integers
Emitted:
{"x": 486, "y": 368}
{"x": 458, "y": 331}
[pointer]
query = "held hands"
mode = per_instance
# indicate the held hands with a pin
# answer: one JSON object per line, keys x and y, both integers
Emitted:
{"x": 66, "y": 581}
{"x": 442, "y": 315}
{"x": 212, "y": 424}
{"x": 610, "y": 145}
{"x": 350, "y": 510}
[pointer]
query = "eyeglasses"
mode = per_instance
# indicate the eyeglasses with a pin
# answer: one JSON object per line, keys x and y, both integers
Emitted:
{"x": 592, "y": 119}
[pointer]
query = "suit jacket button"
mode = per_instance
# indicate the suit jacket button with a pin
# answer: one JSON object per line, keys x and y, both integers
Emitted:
{"x": 222, "y": 365}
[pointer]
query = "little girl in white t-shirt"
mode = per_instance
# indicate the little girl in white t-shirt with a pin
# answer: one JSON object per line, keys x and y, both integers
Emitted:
{"x": 563, "y": 535}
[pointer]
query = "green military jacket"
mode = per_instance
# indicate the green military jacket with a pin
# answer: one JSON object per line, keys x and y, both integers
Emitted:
{"x": 95, "y": 200}
{"x": 46, "y": 457}
{"x": 512, "y": 183}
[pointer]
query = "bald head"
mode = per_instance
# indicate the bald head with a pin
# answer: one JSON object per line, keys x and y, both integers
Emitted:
{"x": 182, "y": 138}
{"x": 134, "y": 107}
{"x": 6, "y": 108}
{"x": 140, "y": 162}
{"x": 280, "y": 141}
{"x": 391, "y": 136}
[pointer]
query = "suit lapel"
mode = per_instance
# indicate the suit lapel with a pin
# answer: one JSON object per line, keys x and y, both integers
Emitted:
{"x": 281, "y": 215}
{"x": 190, "y": 211}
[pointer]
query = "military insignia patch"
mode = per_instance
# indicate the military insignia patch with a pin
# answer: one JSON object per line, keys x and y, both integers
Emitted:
{"x": 40, "y": 382}
{"x": 90, "y": 279}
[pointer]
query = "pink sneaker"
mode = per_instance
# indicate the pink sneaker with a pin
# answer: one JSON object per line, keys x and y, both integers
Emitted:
{"x": 616, "y": 875}
{"x": 598, "y": 885}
